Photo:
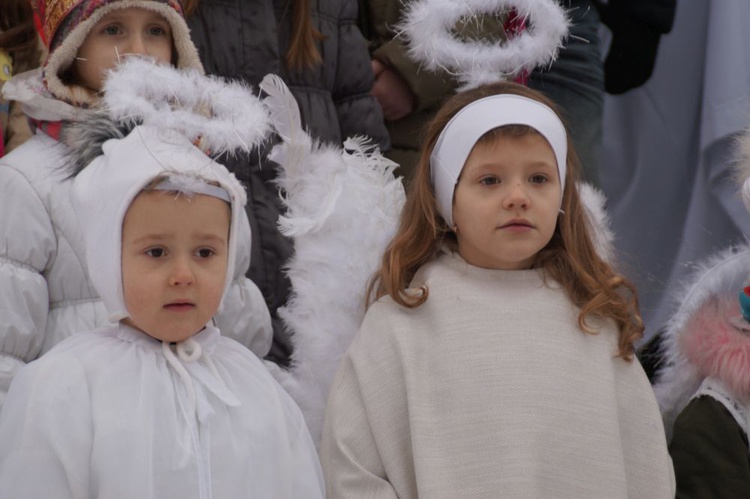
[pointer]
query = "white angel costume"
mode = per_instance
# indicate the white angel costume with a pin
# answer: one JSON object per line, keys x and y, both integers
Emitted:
{"x": 490, "y": 389}
{"x": 115, "y": 413}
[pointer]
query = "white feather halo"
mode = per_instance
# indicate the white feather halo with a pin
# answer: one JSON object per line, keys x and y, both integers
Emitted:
{"x": 225, "y": 115}
{"x": 427, "y": 27}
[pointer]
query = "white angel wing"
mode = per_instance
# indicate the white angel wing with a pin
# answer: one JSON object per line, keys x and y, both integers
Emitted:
{"x": 283, "y": 108}
{"x": 342, "y": 208}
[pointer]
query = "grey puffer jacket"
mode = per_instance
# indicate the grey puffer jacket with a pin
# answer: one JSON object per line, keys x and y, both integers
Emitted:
{"x": 247, "y": 39}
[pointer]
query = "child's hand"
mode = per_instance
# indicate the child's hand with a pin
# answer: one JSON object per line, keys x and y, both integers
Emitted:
{"x": 392, "y": 92}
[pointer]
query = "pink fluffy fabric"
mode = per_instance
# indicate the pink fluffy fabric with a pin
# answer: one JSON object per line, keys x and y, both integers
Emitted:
{"x": 717, "y": 347}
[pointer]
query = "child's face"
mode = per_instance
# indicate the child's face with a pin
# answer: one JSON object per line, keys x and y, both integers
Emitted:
{"x": 123, "y": 31}
{"x": 506, "y": 202}
{"x": 174, "y": 262}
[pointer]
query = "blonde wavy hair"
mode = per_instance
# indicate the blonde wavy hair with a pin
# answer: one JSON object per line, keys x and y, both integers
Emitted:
{"x": 569, "y": 258}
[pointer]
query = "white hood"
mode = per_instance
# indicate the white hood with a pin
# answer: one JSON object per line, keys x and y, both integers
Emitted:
{"x": 103, "y": 191}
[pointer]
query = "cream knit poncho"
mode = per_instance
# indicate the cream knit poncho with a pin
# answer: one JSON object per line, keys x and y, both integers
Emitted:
{"x": 490, "y": 389}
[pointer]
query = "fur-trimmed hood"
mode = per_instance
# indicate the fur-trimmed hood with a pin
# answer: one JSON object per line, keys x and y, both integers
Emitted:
{"x": 63, "y": 53}
{"x": 702, "y": 338}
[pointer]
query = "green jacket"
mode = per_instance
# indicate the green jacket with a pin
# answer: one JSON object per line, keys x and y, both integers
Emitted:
{"x": 710, "y": 452}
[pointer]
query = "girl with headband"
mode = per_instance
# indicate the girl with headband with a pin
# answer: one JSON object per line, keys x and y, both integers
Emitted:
{"x": 498, "y": 355}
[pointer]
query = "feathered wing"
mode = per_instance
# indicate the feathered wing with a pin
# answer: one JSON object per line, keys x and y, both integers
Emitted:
{"x": 283, "y": 109}
{"x": 594, "y": 202}
{"x": 342, "y": 208}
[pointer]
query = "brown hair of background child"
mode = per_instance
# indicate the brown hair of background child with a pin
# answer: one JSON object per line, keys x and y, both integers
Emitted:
{"x": 302, "y": 53}
{"x": 17, "y": 32}
{"x": 570, "y": 257}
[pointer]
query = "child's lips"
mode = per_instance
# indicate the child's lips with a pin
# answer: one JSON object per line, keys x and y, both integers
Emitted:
{"x": 517, "y": 225}
{"x": 180, "y": 306}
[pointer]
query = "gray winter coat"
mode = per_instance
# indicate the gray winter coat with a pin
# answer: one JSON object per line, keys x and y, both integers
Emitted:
{"x": 247, "y": 39}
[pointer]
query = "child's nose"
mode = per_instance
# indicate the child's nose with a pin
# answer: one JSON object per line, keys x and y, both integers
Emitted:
{"x": 516, "y": 197}
{"x": 182, "y": 272}
{"x": 137, "y": 45}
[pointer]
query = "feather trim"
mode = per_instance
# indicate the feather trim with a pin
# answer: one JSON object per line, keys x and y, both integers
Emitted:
{"x": 593, "y": 201}
{"x": 282, "y": 108}
{"x": 221, "y": 116}
{"x": 342, "y": 209}
{"x": 342, "y": 212}
{"x": 742, "y": 167}
{"x": 225, "y": 115}
{"x": 722, "y": 275}
{"x": 427, "y": 26}
{"x": 716, "y": 341}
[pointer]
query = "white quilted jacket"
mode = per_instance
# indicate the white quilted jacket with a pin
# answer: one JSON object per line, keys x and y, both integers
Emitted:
{"x": 45, "y": 292}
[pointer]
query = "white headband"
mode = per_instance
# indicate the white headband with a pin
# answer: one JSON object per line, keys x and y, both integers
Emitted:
{"x": 193, "y": 185}
{"x": 464, "y": 130}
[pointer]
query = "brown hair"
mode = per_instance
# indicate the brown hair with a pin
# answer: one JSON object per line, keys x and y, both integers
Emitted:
{"x": 189, "y": 6}
{"x": 18, "y": 35}
{"x": 302, "y": 53}
{"x": 569, "y": 258}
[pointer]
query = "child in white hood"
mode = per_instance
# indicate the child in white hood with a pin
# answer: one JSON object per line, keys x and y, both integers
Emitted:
{"x": 160, "y": 405}
{"x": 46, "y": 294}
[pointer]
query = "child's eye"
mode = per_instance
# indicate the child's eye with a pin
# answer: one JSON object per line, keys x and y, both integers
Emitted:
{"x": 491, "y": 180}
{"x": 205, "y": 252}
{"x": 157, "y": 31}
{"x": 539, "y": 179}
{"x": 112, "y": 29}
{"x": 156, "y": 252}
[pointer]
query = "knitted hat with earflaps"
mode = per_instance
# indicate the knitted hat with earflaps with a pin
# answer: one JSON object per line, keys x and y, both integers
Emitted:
{"x": 66, "y": 23}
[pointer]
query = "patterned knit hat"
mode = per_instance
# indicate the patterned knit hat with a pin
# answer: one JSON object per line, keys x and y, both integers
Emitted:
{"x": 66, "y": 23}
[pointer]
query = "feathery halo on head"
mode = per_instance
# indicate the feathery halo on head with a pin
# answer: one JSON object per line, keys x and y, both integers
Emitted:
{"x": 222, "y": 117}
{"x": 427, "y": 28}
{"x": 225, "y": 115}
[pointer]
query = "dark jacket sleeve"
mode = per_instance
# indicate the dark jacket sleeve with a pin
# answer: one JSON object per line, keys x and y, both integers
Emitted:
{"x": 710, "y": 453}
{"x": 359, "y": 113}
{"x": 637, "y": 26}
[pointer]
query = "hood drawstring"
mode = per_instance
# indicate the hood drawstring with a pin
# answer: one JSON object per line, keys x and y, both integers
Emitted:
{"x": 197, "y": 410}
{"x": 185, "y": 363}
